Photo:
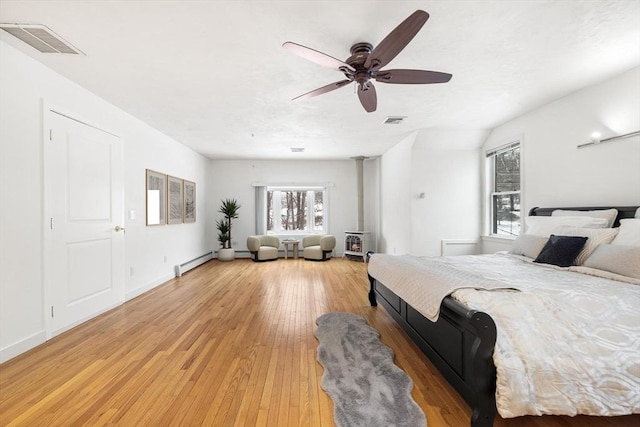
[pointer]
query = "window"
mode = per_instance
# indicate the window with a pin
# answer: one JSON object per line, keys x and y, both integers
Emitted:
{"x": 296, "y": 210}
{"x": 504, "y": 170}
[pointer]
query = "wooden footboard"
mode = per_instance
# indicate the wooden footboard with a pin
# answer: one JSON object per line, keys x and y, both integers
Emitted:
{"x": 460, "y": 344}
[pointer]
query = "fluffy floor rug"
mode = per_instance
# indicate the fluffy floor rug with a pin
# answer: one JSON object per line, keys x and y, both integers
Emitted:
{"x": 367, "y": 389}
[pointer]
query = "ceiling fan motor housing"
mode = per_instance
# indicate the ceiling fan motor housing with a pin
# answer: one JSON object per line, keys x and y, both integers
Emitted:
{"x": 362, "y": 47}
{"x": 359, "y": 54}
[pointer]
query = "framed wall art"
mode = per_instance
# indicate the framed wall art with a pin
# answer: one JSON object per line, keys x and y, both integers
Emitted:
{"x": 175, "y": 199}
{"x": 189, "y": 201}
{"x": 156, "y": 197}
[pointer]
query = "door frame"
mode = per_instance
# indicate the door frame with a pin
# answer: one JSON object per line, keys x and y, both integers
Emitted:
{"x": 47, "y": 109}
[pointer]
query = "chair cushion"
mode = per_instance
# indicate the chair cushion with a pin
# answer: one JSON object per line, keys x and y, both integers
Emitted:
{"x": 312, "y": 252}
{"x": 267, "y": 252}
{"x": 312, "y": 240}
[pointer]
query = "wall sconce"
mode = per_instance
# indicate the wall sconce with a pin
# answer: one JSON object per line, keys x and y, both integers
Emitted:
{"x": 595, "y": 138}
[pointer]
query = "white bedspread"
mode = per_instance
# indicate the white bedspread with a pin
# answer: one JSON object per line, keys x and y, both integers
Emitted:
{"x": 407, "y": 276}
{"x": 567, "y": 343}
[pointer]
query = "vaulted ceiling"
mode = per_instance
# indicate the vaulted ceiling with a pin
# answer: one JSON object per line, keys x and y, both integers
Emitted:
{"x": 214, "y": 76}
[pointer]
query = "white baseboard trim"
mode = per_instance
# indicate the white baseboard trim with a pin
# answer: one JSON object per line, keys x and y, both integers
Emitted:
{"x": 129, "y": 295}
{"x": 22, "y": 346}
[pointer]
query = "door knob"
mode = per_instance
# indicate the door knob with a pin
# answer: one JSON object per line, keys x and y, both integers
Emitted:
{"x": 118, "y": 228}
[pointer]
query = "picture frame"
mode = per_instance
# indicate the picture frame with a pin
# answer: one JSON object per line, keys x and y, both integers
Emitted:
{"x": 156, "y": 197}
{"x": 189, "y": 201}
{"x": 175, "y": 200}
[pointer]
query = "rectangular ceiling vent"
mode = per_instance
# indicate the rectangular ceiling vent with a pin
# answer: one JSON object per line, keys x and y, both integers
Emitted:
{"x": 394, "y": 120}
{"x": 297, "y": 149}
{"x": 41, "y": 38}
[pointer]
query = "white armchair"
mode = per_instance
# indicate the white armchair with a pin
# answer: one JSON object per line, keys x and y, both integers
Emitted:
{"x": 263, "y": 248}
{"x": 318, "y": 247}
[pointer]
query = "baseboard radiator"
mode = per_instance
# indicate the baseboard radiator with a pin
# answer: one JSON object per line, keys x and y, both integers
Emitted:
{"x": 183, "y": 268}
{"x": 459, "y": 247}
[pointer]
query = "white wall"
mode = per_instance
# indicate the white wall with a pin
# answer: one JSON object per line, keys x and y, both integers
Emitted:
{"x": 440, "y": 165}
{"x": 557, "y": 173}
{"x": 146, "y": 247}
{"x": 25, "y": 84}
{"x": 450, "y": 209}
{"x": 395, "y": 198}
{"x": 235, "y": 179}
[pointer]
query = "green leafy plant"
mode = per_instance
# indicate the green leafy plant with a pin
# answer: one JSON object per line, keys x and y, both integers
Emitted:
{"x": 223, "y": 232}
{"x": 229, "y": 208}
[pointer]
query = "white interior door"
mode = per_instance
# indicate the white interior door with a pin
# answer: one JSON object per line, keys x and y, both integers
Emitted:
{"x": 84, "y": 204}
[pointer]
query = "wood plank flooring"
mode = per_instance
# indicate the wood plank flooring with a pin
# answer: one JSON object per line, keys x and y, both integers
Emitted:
{"x": 227, "y": 344}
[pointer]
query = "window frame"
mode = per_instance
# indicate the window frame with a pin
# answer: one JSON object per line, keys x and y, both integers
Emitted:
{"x": 310, "y": 212}
{"x": 492, "y": 195}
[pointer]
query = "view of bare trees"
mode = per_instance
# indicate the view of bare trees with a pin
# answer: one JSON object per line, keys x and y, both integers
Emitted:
{"x": 294, "y": 209}
{"x": 506, "y": 197}
{"x": 508, "y": 171}
{"x": 270, "y": 210}
{"x": 318, "y": 210}
{"x": 294, "y": 214}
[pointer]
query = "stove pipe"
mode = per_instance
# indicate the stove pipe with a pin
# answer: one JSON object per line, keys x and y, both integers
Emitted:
{"x": 360, "y": 177}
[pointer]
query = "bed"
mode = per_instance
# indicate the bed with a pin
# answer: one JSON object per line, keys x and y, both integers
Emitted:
{"x": 461, "y": 340}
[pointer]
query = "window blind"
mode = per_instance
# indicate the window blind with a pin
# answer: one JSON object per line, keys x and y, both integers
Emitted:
{"x": 502, "y": 149}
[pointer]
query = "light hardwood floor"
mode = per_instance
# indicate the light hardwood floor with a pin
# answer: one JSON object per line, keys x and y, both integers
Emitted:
{"x": 226, "y": 344}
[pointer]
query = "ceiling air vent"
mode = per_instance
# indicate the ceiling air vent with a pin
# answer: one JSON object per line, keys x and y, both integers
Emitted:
{"x": 297, "y": 149}
{"x": 394, "y": 120}
{"x": 40, "y": 38}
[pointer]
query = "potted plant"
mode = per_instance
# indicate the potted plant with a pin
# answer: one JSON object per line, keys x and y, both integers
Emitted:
{"x": 223, "y": 237}
{"x": 229, "y": 208}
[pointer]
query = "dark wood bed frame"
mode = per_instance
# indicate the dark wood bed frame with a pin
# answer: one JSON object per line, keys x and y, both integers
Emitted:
{"x": 460, "y": 344}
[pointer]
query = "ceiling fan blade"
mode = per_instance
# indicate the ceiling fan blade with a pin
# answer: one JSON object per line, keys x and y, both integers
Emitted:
{"x": 367, "y": 96}
{"x": 316, "y": 56}
{"x": 412, "y": 77}
{"x": 323, "y": 89}
{"x": 397, "y": 40}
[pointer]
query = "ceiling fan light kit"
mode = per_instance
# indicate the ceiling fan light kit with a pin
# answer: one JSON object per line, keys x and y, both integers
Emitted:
{"x": 365, "y": 63}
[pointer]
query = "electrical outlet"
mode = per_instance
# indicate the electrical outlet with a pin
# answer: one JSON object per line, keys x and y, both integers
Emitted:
{"x": 132, "y": 271}
{"x": 165, "y": 259}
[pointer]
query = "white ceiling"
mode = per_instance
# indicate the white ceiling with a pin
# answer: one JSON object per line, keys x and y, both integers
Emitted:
{"x": 213, "y": 75}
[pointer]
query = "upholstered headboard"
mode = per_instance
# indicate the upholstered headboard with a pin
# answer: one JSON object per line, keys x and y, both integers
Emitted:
{"x": 623, "y": 211}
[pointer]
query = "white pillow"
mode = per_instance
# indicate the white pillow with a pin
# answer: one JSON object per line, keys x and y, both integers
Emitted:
{"x": 547, "y": 225}
{"x": 609, "y": 214}
{"x": 595, "y": 236}
{"x": 619, "y": 259}
{"x": 528, "y": 245}
{"x": 629, "y": 233}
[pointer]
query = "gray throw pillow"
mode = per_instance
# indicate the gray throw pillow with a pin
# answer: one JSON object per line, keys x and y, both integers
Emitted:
{"x": 618, "y": 259}
{"x": 528, "y": 245}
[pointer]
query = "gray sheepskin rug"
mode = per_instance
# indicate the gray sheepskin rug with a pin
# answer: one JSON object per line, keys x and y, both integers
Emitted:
{"x": 367, "y": 389}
